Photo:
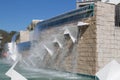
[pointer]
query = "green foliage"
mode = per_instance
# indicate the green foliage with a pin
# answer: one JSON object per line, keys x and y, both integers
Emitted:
{"x": 6, "y": 37}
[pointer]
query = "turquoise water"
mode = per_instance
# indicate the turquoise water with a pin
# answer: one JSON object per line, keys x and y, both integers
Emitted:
{"x": 42, "y": 74}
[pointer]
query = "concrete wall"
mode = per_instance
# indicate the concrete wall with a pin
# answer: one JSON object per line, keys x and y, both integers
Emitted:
{"x": 79, "y": 57}
{"x": 108, "y": 36}
{"x": 87, "y": 48}
{"x": 24, "y": 36}
{"x": 100, "y": 42}
{"x": 33, "y": 24}
{"x": 97, "y": 44}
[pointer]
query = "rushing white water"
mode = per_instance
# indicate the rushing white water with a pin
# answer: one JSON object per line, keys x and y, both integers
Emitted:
{"x": 49, "y": 46}
{"x": 12, "y": 48}
{"x": 59, "y": 38}
{"x": 49, "y": 49}
{"x": 48, "y": 52}
{"x": 82, "y": 24}
{"x": 72, "y": 31}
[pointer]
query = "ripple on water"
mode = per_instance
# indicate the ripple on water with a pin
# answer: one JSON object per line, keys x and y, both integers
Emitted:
{"x": 40, "y": 74}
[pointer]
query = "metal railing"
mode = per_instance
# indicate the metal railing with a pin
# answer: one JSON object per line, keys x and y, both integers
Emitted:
{"x": 83, "y": 12}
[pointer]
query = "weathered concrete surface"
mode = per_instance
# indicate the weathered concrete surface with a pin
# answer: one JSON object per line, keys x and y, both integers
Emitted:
{"x": 97, "y": 45}
{"x": 108, "y": 36}
{"x": 87, "y": 48}
{"x": 24, "y": 36}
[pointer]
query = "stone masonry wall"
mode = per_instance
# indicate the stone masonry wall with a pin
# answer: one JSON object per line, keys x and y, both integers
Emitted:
{"x": 97, "y": 44}
{"x": 108, "y": 36}
{"x": 79, "y": 57}
{"x": 87, "y": 48}
{"x": 24, "y": 36}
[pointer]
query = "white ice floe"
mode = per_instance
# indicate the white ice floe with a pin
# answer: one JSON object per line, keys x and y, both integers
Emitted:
{"x": 112, "y": 1}
{"x": 82, "y": 24}
{"x": 49, "y": 47}
{"x": 14, "y": 75}
{"x": 60, "y": 40}
{"x": 110, "y": 72}
{"x": 72, "y": 31}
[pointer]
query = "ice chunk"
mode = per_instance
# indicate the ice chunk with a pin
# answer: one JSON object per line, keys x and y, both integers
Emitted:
{"x": 110, "y": 72}
{"x": 72, "y": 31}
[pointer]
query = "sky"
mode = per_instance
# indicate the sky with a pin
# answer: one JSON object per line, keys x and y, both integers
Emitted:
{"x": 16, "y": 15}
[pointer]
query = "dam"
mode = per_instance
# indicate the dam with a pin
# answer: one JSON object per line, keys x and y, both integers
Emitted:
{"x": 71, "y": 46}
